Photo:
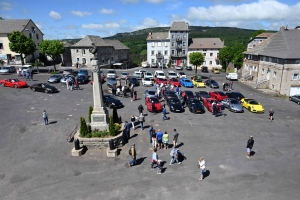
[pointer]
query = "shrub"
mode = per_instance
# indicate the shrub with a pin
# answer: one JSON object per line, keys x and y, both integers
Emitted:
{"x": 90, "y": 113}
{"x": 83, "y": 128}
{"x": 111, "y": 125}
{"x": 115, "y": 115}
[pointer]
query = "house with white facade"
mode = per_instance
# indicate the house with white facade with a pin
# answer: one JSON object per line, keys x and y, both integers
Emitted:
{"x": 158, "y": 49}
{"x": 210, "y": 48}
{"x": 275, "y": 63}
{"x": 258, "y": 39}
{"x": 25, "y": 26}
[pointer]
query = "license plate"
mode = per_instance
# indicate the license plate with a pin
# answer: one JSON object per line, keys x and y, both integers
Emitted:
{"x": 177, "y": 110}
{"x": 198, "y": 110}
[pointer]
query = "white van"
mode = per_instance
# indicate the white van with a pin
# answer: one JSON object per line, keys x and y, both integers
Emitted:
{"x": 232, "y": 76}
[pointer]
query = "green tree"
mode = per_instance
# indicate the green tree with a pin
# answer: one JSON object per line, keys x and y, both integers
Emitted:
{"x": 111, "y": 125}
{"x": 196, "y": 58}
{"x": 52, "y": 48}
{"x": 115, "y": 115}
{"x": 83, "y": 131}
{"x": 21, "y": 44}
{"x": 238, "y": 59}
{"x": 226, "y": 55}
{"x": 90, "y": 113}
{"x": 256, "y": 33}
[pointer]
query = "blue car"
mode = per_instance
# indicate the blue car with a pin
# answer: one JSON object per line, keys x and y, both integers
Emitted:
{"x": 83, "y": 72}
{"x": 185, "y": 82}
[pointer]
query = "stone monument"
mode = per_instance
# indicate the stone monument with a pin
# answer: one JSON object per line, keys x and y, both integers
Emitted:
{"x": 99, "y": 117}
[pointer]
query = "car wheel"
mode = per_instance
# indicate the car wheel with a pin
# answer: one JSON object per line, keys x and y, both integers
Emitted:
{"x": 290, "y": 99}
{"x": 46, "y": 91}
{"x": 298, "y": 103}
{"x": 2, "y": 84}
{"x": 33, "y": 89}
{"x": 15, "y": 86}
{"x": 249, "y": 108}
{"x": 210, "y": 86}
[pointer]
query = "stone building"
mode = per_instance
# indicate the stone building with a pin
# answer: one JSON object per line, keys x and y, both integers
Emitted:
{"x": 258, "y": 39}
{"x": 275, "y": 63}
{"x": 109, "y": 52}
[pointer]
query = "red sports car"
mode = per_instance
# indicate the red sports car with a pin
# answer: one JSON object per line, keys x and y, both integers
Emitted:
{"x": 157, "y": 104}
{"x": 207, "y": 103}
{"x": 218, "y": 95}
{"x": 174, "y": 81}
{"x": 13, "y": 83}
{"x": 160, "y": 80}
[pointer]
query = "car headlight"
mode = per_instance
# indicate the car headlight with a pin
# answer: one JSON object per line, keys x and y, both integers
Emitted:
{"x": 112, "y": 103}
{"x": 172, "y": 107}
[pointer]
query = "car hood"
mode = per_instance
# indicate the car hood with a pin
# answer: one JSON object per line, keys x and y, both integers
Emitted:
{"x": 51, "y": 87}
{"x": 236, "y": 106}
{"x": 197, "y": 106}
{"x": 53, "y": 78}
{"x": 257, "y": 107}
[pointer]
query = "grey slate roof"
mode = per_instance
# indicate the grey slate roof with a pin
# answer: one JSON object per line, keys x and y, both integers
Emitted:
{"x": 99, "y": 42}
{"x": 179, "y": 26}
{"x": 67, "y": 44}
{"x": 284, "y": 44}
{"x": 206, "y": 43}
{"x": 158, "y": 36}
{"x": 8, "y": 26}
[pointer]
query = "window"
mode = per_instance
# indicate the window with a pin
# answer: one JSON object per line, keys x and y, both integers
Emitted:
{"x": 173, "y": 36}
{"x": 183, "y": 44}
{"x": 173, "y": 52}
{"x": 166, "y": 44}
{"x": 173, "y": 44}
{"x": 152, "y": 44}
{"x": 210, "y": 62}
{"x": 159, "y": 44}
{"x": 152, "y": 60}
{"x": 37, "y": 36}
{"x": 204, "y": 49}
{"x": 1, "y": 45}
{"x": 211, "y": 54}
{"x": 83, "y": 51}
{"x": 77, "y": 59}
{"x": 263, "y": 71}
{"x": 112, "y": 58}
{"x": 183, "y": 52}
{"x": 274, "y": 74}
{"x": 297, "y": 62}
{"x": 152, "y": 53}
{"x": 32, "y": 29}
{"x": 184, "y": 36}
{"x": 166, "y": 52}
{"x": 273, "y": 86}
{"x": 204, "y": 54}
{"x": 295, "y": 77}
{"x": 30, "y": 35}
{"x": 255, "y": 68}
{"x": 77, "y": 50}
{"x": 159, "y": 52}
{"x": 173, "y": 62}
{"x": 91, "y": 59}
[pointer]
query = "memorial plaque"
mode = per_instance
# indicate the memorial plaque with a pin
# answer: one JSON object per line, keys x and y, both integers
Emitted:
{"x": 98, "y": 119}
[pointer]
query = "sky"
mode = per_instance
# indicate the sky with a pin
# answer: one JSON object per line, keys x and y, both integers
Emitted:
{"x": 68, "y": 19}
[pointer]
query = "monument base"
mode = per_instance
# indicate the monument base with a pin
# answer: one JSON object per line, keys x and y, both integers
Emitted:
{"x": 77, "y": 152}
{"x": 111, "y": 153}
{"x": 99, "y": 121}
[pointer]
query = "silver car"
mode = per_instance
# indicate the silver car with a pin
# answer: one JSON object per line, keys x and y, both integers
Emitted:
{"x": 63, "y": 80}
{"x": 111, "y": 81}
{"x": 151, "y": 92}
{"x": 124, "y": 75}
{"x": 55, "y": 78}
{"x": 233, "y": 105}
{"x": 7, "y": 69}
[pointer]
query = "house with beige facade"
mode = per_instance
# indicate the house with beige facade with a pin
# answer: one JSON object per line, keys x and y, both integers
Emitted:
{"x": 109, "y": 52}
{"x": 258, "y": 39}
{"x": 210, "y": 48}
{"x": 25, "y": 26}
{"x": 275, "y": 63}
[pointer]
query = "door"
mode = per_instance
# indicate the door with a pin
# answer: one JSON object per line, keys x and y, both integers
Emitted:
{"x": 268, "y": 74}
{"x": 294, "y": 90}
{"x": 178, "y": 62}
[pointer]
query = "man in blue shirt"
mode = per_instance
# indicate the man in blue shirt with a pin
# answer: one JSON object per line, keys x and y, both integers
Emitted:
{"x": 127, "y": 128}
{"x": 164, "y": 112}
{"x": 159, "y": 136}
{"x": 174, "y": 154}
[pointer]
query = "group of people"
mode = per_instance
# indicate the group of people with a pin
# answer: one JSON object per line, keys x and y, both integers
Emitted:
{"x": 121, "y": 90}
{"x": 218, "y": 108}
{"x": 227, "y": 86}
{"x": 72, "y": 83}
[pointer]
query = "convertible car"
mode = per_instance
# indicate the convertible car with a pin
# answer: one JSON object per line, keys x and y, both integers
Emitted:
{"x": 252, "y": 105}
{"x": 15, "y": 83}
{"x": 157, "y": 104}
{"x": 43, "y": 87}
{"x": 218, "y": 95}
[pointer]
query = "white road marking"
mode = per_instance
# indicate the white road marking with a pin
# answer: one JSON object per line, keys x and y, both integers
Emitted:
{"x": 190, "y": 123}
{"x": 32, "y": 108}
{"x": 70, "y": 115}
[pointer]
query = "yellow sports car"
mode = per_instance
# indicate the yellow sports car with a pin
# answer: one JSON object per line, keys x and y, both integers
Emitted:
{"x": 216, "y": 71}
{"x": 198, "y": 83}
{"x": 252, "y": 105}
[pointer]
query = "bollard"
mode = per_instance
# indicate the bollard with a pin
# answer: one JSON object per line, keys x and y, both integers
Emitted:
{"x": 76, "y": 142}
{"x": 111, "y": 144}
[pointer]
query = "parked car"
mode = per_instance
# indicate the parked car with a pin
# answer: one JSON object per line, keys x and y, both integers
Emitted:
{"x": 124, "y": 75}
{"x": 208, "y": 103}
{"x": 189, "y": 94}
{"x": 216, "y": 71}
{"x": 147, "y": 82}
{"x": 134, "y": 81}
{"x": 204, "y": 69}
{"x": 233, "y": 105}
{"x": 252, "y": 105}
{"x": 111, "y": 73}
{"x": 201, "y": 95}
{"x": 195, "y": 106}
{"x": 138, "y": 74}
{"x": 64, "y": 79}
{"x": 232, "y": 76}
{"x": 160, "y": 81}
{"x": 170, "y": 93}
{"x": 185, "y": 82}
{"x": 157, "y": 104}
{"x": 55, "y": 78}
{"x": 83, "y": 72}
{"x": 188, "y": 68}
{"x": 15, "y": 83}
{"x": 143, "y": 71}
{"x": 83, "y": 79}
{"x": 26, "y": 68}
{"x": 295, "y": 98}
{"x": 235, "y": 95}
{"x": 198, "y": 83}
{"x": 211, "y": 83}
{"x": 181, "y": 75}
{"x": 159, "y": 74}
{"x": 148, "y": 75}
{"x": 7, "y": 70}
{"x": 111, "y": 102}
{"x": 172, "y": 74}
{"x": 68, "y": 71}
{"x": 151, "y": 92}
{"x": 177, "y": 67}
{"x": 174, "y": 104}
{"x": 43, "y": 87}
{"x": 111, "y": 81}
{"x": 218, "y": 95}
{"x": 174, "y": 81}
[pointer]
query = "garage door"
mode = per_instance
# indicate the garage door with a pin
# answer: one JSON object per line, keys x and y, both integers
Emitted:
{"x": 294, "y": 90}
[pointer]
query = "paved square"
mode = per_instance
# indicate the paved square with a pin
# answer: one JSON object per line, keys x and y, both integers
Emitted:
{"x": 36, "y": 161}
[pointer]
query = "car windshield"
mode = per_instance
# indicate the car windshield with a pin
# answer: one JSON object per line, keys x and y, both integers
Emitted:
{"x": 45, "y": 84}
{"x": 124, "y": 73}
{"x": 147, "y": 79}
{"x": 181, "y": 73}
{"x": 133, "y": 79}
{"x": 15, "y": 80}
{"x": 195, "y": 101}
{"x": 161, "y": 74}
{"x": 234, "y": 101}
{"x": 187, "y": 80}
{"x": 172, "y": 74}
{"x": 203, "y": 92}
{"x": 253, "y": 102}
{"x": 197, "y": 80}
{"x": 113, "y": 79}
{"x": 111, "y": 72}
{"x": 174, "y": 80}
{"x": 175, "y": 101}
{"x": 189, "y": 93}
{"x": 213, "y": 82}
{"x": 151, "y": 92}
{"x": 5, "y": 68}
{"x": 148, "y": 74}
{"x": 155, "y": 100}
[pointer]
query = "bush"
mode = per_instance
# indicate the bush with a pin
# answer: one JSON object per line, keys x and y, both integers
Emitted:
{"x": 111, "y": 125}
{"x": 90, "y": 113}
{"x": 83, "y": 128}
{"x": 115, "y": 115}
{"x": 102, "y": 134}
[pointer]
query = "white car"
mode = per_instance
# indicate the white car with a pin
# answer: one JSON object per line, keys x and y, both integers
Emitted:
{"x": 148, "y": 75}
{"x": 181, "y": 75}
{"x": 7, "y": 69}
{"x": 178, "y": 67}
{"x": 172, "y": 74}
{"x": 159, "y": 74}
{"x": 138, "y": 74}
{"x": 111, "y": 73}
{"x": 26, "y": 68}
{"x": 124, "y": 75}
{"x": 143, "y": 70}
{"x": 147, "y": 82}
{"x": 232, "y": 76}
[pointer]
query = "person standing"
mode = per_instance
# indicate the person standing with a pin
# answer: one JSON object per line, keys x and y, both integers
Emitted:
{"x": 142, "y": 120}
{"x": 159, "y": 167}
{"x": 164, "y": 112}
{"x": 201, "y": 164}
{"x": 27, "y": 76}
{"x": 118, "y": 91}
{"x": 131, "y": 95}
{"x": 113, "y": 90}
{"x": 133, "y": 155}
{"x": 153, "y": 108}
{"x": 177, "y": 91}
{"x": 159, "y": 136}
{"x": 154, "y": 158}
{"x": 132, "y": 119}
{"x": 166, "y": 140}
{"x": 174, "y": 155}
{"x": 222, "y": 109}
{"x": 77, "y": 84}
{"x": 250, "y": 144}
{"x": 45, "y": 117}
{"x": 158, "y": 92}
{"x": 135, "y": 95}
{"x": 175, "y": 138}
{"x": 31, "y": 76}
{"x": 141, "y": 109}
{"x": 230, "y": 85}
{"x": 123, "y": 90}
{"x": 271, "y": 113}
{"x": 151, "y": 130}
{"x": 127, "y": 127}
{"x": 126, "y": 80}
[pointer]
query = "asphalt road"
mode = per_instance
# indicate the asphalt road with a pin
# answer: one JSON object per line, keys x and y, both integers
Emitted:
{"x": 36, "y": 161}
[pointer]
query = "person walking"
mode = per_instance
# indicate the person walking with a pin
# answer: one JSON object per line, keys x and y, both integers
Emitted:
{"x": 133, "y": 155}
{"x": 27, "y": 76}
{"x": 184, "y": 98}
{"x": 201, "y": 165}
{"x": 271, "y": 113}
{"x": 215, "y": 108}
{"x": 135, "y": 95}
{"x": 126, "y": 80}
{"x": 45, "y": 117}
{"x": 141, "y": 109}
{"x": 159, "y": 167}
{"x": 222, "y": 109}
{"x": 131, "y": 95}
{"x": 127, "y": 127}
{"x": 154, "y": 140}
{"x": 250, "y": 144}
{"x": 31, "y": 76}
{"x": 175, "y": 138}
{"x": 151, "y": 130}
{"x": 132, "y": 119}
{"x": 174, "y": 155}
{"x": 166, "y": 140}
{"x": 164, "y": 112}
{"x": 153, "y": 108}
{"x": 113, "y": 90}
{"x": 77, "y": 85}
{"x": 123, "y": 91}
{"x": 159, "y": 136}
{"x": 142, "y": 120}
{"x": 118, "y": 91}
{"x": 154, "y": 158}
{"x": 158, "y": 92}
{"x": 177, "y": 91}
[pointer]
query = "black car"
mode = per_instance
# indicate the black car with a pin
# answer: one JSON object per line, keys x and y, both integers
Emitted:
{"x": 189, "y": 94}
{"x": 188, "y": 68}
{"x": 295, "y": 98}
{"x": 134, "y": 81}
{"x": 174, "y": 104}
{"x": 204, "y": 69}
{"x": 43, "y": 87}
{"x": 195, "y": 105}
{"x": 83, "y": 79}
{"x": 212, "y": 83}
{"x": 111, "y": 102}
{"x": 202, "y": 95}
{"x": 170, "y": 93}
{"x": 235, "y": 95}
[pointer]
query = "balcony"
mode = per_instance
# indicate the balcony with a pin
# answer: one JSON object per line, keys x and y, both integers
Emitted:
{"x": 159, "y": 56}
{"x": 179, "y": 55}
{"x": 178, "y": 39}
{"x": 178, "y": 47}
